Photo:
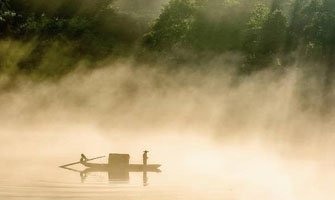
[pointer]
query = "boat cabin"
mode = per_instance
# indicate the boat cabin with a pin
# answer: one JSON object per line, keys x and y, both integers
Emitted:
{"x": 118, "y": 160}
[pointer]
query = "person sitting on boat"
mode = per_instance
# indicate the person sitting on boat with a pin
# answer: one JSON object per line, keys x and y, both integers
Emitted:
{"x": 83, "y": 158}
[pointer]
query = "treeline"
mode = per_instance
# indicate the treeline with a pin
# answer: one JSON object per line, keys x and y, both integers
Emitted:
{"x": 265, "y": 32}
{"x": 64, "y": 32}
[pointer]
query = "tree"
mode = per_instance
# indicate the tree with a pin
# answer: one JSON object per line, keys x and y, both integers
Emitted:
{"x": 325, "y": 37}
{"x": 254, "y": 30}
{"x": 327, "y": 30}
{"x": 296, "y": 26}
{"x": 3, "y": 11}
{"x": 218, "y": 26}
{"x": 172, "y": 26}
{"x": 273, "y": 33}
{"x": 3, "y": 6}
{"x": 265, "y": 35}
{"x": 311, "y": 18}
{"x": 89, "y": 29}
{"x": 276, "y": 5}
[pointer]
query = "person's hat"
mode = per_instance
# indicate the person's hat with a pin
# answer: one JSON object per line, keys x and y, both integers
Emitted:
{"x": 145, "y": 151}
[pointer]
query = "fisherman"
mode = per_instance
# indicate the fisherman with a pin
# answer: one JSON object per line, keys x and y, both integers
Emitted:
{"x": 145, "y": 158}
{"x": 83, "y": 158}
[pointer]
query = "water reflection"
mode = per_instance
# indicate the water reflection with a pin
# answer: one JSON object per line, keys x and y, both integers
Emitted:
{"x": 145, "y": 178}
{"x": 117, "y": 176}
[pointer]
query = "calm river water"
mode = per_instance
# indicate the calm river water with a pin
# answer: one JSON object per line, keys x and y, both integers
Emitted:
{"x": 202, "y": 173}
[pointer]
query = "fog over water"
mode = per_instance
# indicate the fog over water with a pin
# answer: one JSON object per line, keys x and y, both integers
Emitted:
{"x": 229, "y": 96}
{"x": 216, "y": 136}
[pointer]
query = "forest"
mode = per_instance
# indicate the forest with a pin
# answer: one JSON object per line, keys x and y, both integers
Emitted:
{"x": 48, "y": 39}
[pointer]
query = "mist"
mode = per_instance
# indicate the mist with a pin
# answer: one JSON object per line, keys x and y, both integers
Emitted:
{"x": 231, "y": 103}
{"x": 201, "y": 120}
{"x": 143, "y": 101}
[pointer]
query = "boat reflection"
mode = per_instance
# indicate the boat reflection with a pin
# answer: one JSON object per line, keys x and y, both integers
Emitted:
{"x": 115, "y": 175}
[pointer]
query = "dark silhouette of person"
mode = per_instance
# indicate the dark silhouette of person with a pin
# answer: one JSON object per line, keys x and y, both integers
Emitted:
{"x": 145, "y": 162}
{"x": 145, "y": 158}
{"x": 83, "y": 158}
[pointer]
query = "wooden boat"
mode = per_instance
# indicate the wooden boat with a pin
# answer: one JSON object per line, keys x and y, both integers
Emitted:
{"x": 117, "y": 168}
{"x": 119, "y": 162}
{"x": 130, "y": 167}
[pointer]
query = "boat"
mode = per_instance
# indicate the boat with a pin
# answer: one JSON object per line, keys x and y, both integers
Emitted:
{"x": 120, "y": 162}
{"x": 118, "y": 167}
{"x": 130, "y": 167}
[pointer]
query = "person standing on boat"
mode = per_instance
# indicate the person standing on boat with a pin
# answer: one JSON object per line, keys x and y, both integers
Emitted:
{"x": 145, "y": 161}
{"x": 145, "y": 158}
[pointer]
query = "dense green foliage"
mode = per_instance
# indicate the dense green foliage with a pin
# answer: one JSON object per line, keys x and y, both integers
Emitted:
{"x": 66, "y": 32}
{"x": 172, "y": 27}
{"x": 265, "y": 32}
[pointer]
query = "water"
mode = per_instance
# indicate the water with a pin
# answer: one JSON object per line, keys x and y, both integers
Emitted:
{"x": 192, "y": 170}
{"x": 194, "y": 166}
{"x": 46, "y": 181}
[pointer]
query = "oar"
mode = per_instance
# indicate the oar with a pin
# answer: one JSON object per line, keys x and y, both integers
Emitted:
{"x": 79, "y": 161}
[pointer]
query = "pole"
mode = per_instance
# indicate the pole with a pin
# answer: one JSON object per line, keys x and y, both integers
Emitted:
{"x": 79, "y": 161}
